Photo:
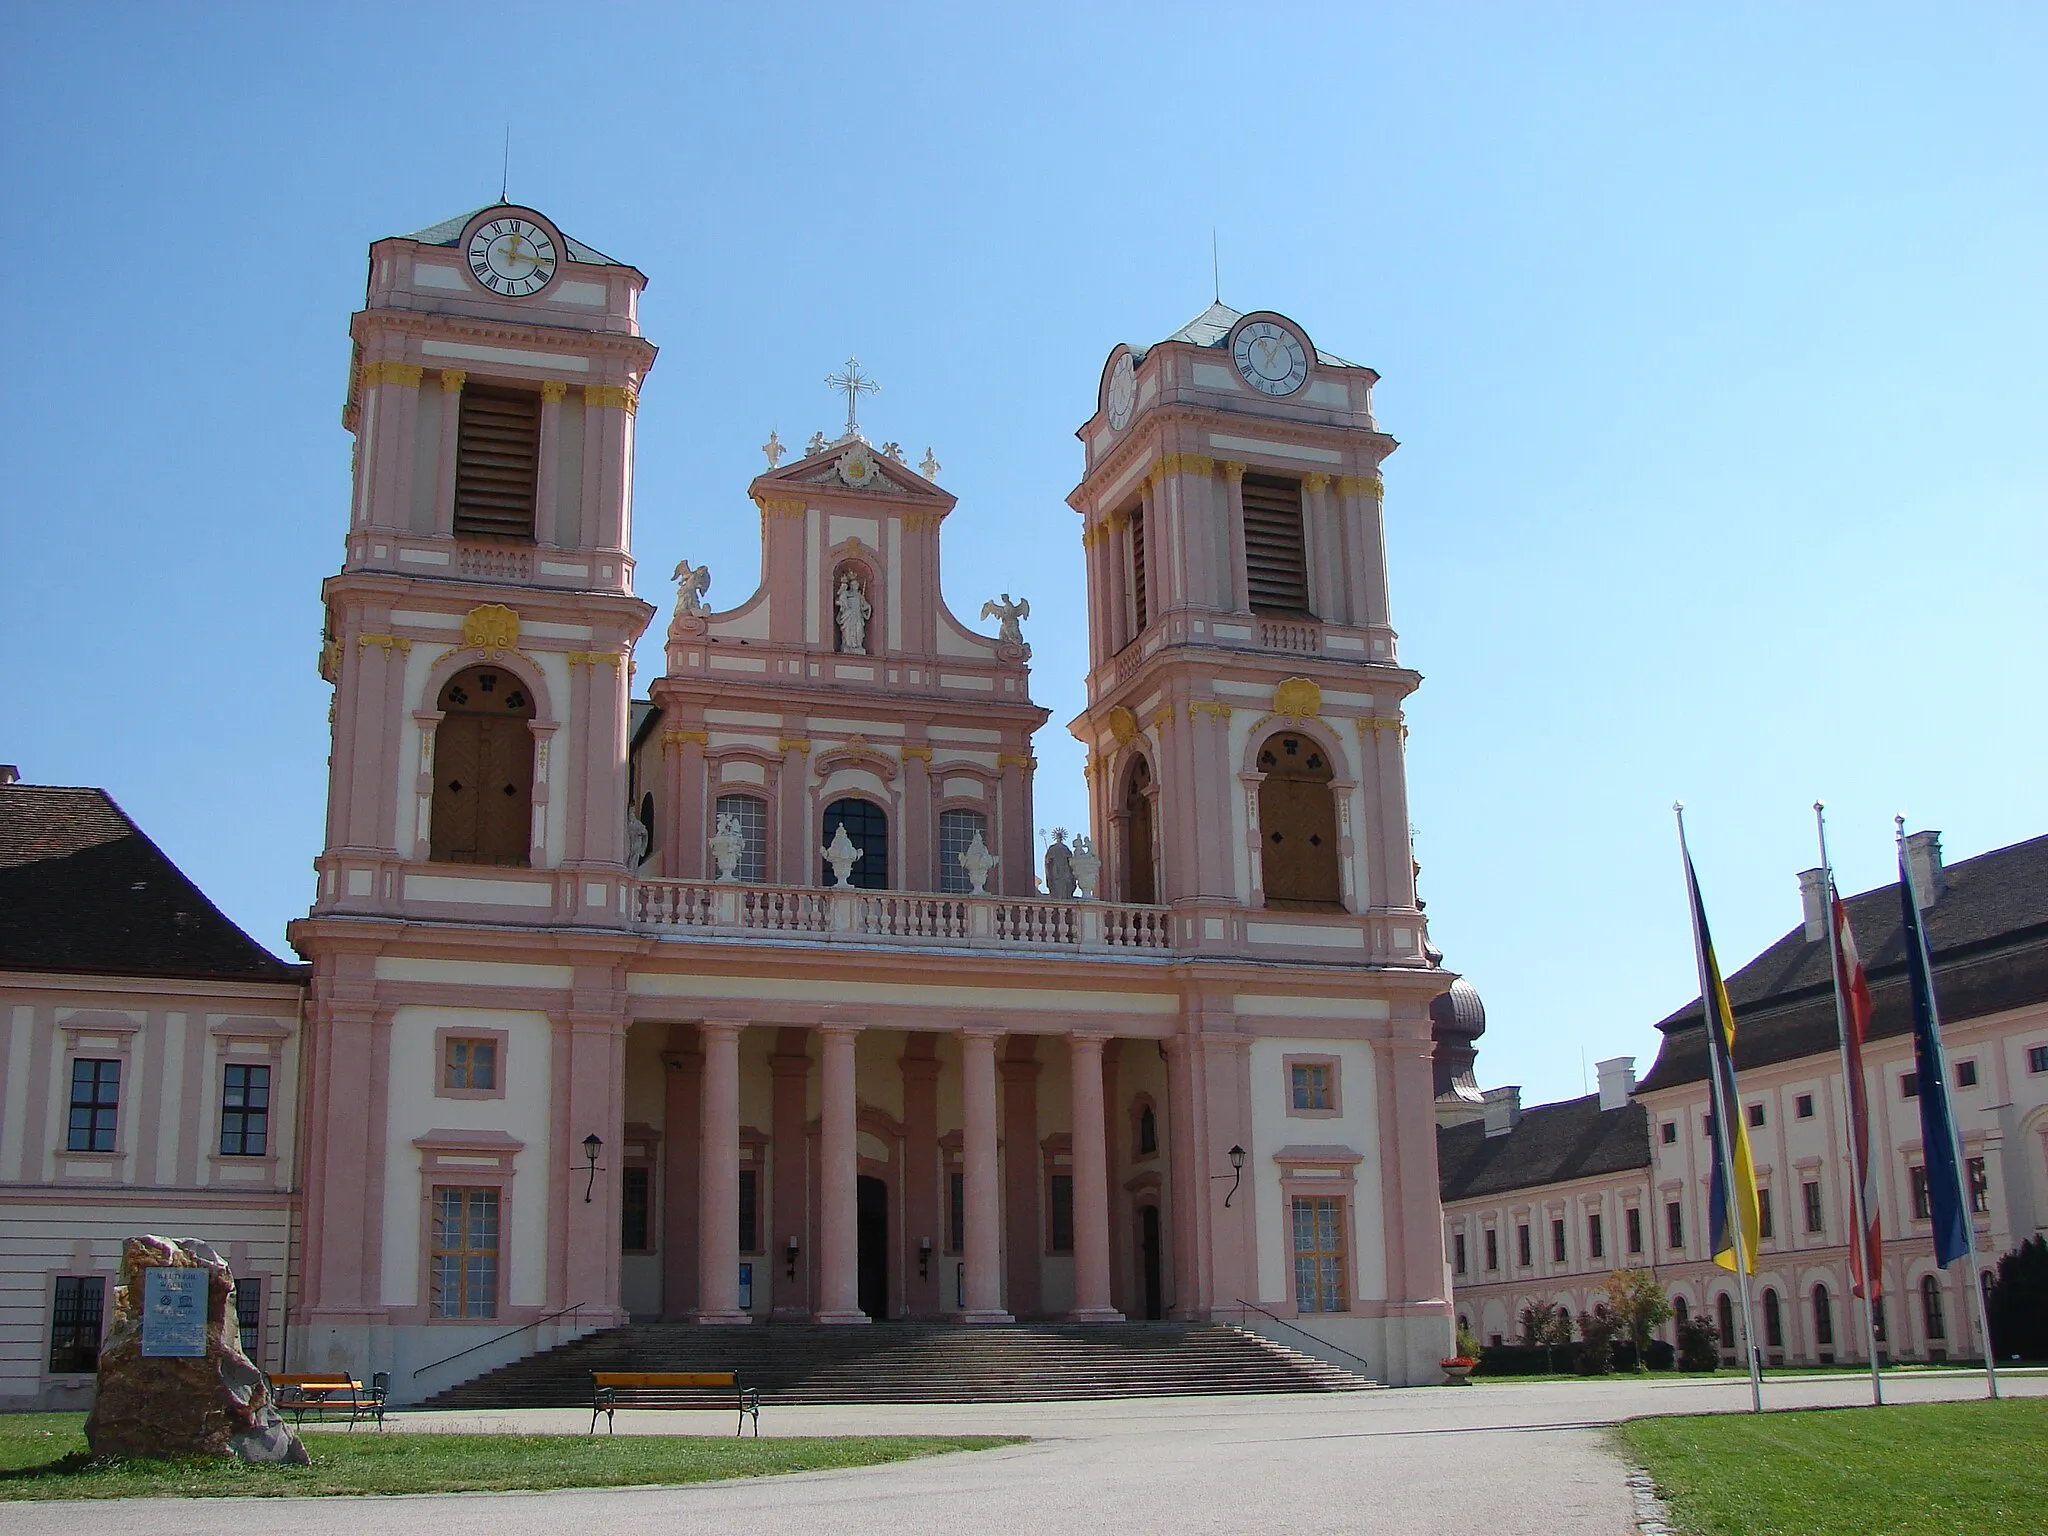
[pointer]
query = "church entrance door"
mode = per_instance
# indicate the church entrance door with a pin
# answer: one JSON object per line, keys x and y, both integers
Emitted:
{"x": 872, "y": 1206}
{"x": 1148, "y": 1257}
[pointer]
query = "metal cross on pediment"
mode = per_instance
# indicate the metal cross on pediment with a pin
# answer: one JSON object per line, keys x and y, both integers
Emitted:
{"x": 855, "y": 384}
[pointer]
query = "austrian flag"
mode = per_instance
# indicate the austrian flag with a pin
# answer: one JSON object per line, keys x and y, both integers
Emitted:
{"x": 1865, "y": 1257}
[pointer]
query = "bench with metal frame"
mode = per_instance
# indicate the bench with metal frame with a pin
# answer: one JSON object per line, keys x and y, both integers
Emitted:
{"x": 613, "y": 1390}
{"x": 321, "y": 1393}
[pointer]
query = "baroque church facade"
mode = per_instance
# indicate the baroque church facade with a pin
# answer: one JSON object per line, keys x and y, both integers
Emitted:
{"x": 741, "y": 1002}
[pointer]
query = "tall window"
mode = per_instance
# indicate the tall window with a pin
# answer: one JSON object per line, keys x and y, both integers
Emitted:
{"x": 248, "y": 1295}
{"x": 1319, "y": 1253}
{"x": 465, "y": 1253}
{"x": 1298, "y": 825}
{"x": 1557, "y": 1240}
{"x": 1140, "y": 609}
{"x": 1930, "y": 1308}
{"x": 751, "y": 812}
{"x": 483, "y": 770}
{"x": 75, "y": 1314}
{"x": 1823, "y": 1316}
{"x": 244, "y": 1111}
{"x": 1725, "y": 1310}
{"x": 1980, "y": 1186}
{"x": 1059, "y": 1207}
{"x": 1522, "y": 1244}
{"x": 635, "y": 1210}
{"x": 1635, "y": 1230}
{"x": 1923, "y": 1195}
{"x": 1492, "y": 1249}
{"x": 1148, "y": 1132}
{"x": 497, "y": 462}
{"x": 1810, "y": 1190}
{"x": 1457, "y": 1253}
{"x": 1674, "y": 1224}
{"x": 1139, "y": 881}
{"x": 1275, "y": 553}
{"x": 956, "y": 835}
{"x": 1596, "y": 1240}
{"x": 1774, "y": 1322}
{"x": 956, "y": 1212}
{"x": 867, "y": 828}
{"x": 469, "y": 1065}
{"x": 1763, "y": 1214}
{"x": 95, "y": 1105}
{"x": 750, "y": 1210}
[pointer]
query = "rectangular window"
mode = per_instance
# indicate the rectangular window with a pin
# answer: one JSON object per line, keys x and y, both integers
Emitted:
{"x": 956, "y": 1212}
{"x": 1764, "y": 1225}
{"x": 465, "y": 1253}
{"x": 249, "y": 1316}
{"x": 1674, "y": 1224}
{"x": 1457, "y": 1253}
{"x": 1756, "y": 1116}
{"x": 1810, "y": 1191}
{"x": 1275, "y": 553}
{"x": 1319, "y": 1254}
{"x": 1557, "y": 1241}
{"x": 634, "y": 1186}
{"x": 75, "y": 1325}
{"x": 1707, "y": 1125}
{"x": 1923, "y": 1196}
{"x": 1596, "y": 1239}
{"x": 1803, "y": 1106}
{"x": 1966, "y": 1074}
{"x": 1668, "y": 1133}
{"x": 497, "y": 459}
{"x": 1522, "y": 1244}
{"x": 751, "y": 814}
{"x": 1492, "y": 1249}
{"x": 470, "y": 1066}
{"x": 957, "y": 831}
{"x": 750, "y": 1210}
{"x": 1635, "y": 1230}
{"x": 1980, "y": 1186}
{"x": 1140, "y": 610}
{"x": 1311, "y": 1086}
{"x": 1909, "y": 1086}
{"x": 95, "y": 1103}
{"x": 2037, "y": 1058}
{"x": 1059, "y": 1208}
{"x": 244, "y": 1111}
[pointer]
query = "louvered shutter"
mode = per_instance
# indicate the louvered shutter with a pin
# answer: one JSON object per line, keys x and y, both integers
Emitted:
{"x": 497, "y": 458}
{"x": 1138, "y": 603}
{"x": 1275, "y": 557}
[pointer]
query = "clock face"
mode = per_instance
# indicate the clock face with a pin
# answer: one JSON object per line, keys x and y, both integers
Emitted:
{"x": 512, "y": 256}
{"x": 1270, "y": 358}
{"x": 1123, "y": 392}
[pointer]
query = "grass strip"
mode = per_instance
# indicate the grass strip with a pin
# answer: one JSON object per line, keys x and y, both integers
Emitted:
{"x": 44, "y": 1456}
{"x": 1916, "y": 1469}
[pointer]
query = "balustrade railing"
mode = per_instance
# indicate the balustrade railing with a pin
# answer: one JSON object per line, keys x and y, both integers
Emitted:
{"x": 496, "y": 562}
{"x": 1279, "y": 635}
{"x": 914, "y": 917}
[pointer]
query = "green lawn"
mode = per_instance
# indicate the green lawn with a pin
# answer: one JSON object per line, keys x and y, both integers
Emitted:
{"x": 1913, "y": 1470}
{"x": 43, "y": 1456}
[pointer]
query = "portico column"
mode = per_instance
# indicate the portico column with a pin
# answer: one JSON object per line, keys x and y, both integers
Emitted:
{"x": 838, "y": 1182}
{"x": 978, "y": 1154}
{"x": 1091, "y": 1184}
{"x": 718, "y": 1186}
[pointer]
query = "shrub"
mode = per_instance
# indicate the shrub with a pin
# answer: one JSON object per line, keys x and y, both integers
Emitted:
{"x": 1526, "y": 1360}
{"x": 1699, "y": 1345}
{"x": 1597, "y": 1331}
{"x": 2018, "y": 1304}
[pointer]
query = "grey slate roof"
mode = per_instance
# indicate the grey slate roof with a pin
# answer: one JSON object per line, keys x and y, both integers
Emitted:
{"x": 448, "y": 231}
{"x": 1989, "y": 934}
{"x": 1551, "y": 1143}
{"x": 83, "y": 890}
{"x": 1210, "y": 327}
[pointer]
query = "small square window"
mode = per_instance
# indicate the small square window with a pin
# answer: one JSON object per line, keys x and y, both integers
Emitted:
{"x": 1909, "y": 1086}
{"x": 1803, "y": 1106}
{"x": 1312, "y": 1086}
{"x": 1669, "y": 1132}
{"x": 1756, "y": 1116}
{"x": 1966, "y": 1074}
{"x": 2037, "y": 1058}
{"x": 470, "y": 1066}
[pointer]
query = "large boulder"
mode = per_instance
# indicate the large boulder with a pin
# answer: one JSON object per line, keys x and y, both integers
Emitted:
{"x": 210, "y": 1403}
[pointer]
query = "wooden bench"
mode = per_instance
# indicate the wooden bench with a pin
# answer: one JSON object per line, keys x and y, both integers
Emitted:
{"x": 613, "y": 1390}
{"x": 323, "y": 1392}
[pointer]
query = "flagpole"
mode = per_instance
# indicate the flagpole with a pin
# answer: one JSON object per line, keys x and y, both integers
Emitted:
{"x": 1955, "y": 1129}
{"x": 1861, "y": 1237}
{"x": 1723, "y": 1134}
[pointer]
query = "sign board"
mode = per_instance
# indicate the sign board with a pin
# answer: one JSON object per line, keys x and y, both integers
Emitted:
{"x": 174, "y": 1313}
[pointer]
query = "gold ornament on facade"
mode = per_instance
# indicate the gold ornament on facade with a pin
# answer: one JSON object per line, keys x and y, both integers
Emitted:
{"x": 1298, "y": 698}
{"x": 772, "y": 507}
{"x": 1315, "y": 482}
{"x": 1123, "y": 726}
{"x": 452, "y": 380}
{"x": 491, "y": 628}
{"x": 1359, "y": 485}
{"x": 553, "y": 391}
{"x": 793, "y": 744}
{"x": 621, "y": 397}
{"x": 1220, "y": 713}
{"x": 905, "y": 754}
{"x": 391, "y": 371}
{"x": 1233, "y": 471}
{"x": 674, "y": 741}
{"x": 594, "y": 658}
{"x": 1162, "y": 719}
{"x": 1022, "y": 760}
{"x": 385, "y": 643}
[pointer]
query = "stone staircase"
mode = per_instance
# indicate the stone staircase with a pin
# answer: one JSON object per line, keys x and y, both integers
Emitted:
{"x": 918, "y": 1363}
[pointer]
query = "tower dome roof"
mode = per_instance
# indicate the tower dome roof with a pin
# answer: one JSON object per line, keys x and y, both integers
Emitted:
{"x": 1458, "y": 1012}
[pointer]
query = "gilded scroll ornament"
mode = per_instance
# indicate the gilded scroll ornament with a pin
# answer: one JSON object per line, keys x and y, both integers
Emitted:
{"x": 491, "y": 628}
{"x": 1298, "y": 698}
{"x": 1123, "y": 725}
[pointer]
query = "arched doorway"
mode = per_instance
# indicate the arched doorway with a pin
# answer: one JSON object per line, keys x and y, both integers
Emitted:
{"x": 1140, "y": 882}
{"x": 871, "y": 1205}
{"x": 1298, "y": 825}
{"x": 1149, "y": 1262}
{"x": 483, "y": 770}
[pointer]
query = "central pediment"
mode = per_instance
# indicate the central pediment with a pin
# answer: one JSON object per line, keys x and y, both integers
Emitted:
{"x": 851, "y": 468}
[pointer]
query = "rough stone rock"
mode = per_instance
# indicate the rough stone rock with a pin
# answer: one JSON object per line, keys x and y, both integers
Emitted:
{"x": 216, "y": 1404}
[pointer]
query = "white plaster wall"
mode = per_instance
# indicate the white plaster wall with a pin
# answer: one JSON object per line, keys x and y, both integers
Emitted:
{"x": 1357, "y": 1128}
{"x": 414, "y": 1110}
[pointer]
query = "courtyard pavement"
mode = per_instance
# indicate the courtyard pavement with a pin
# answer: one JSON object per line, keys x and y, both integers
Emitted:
{"x": 1506, "y": 1460}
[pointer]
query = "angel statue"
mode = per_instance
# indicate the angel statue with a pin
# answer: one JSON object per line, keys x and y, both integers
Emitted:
{"x": 692, "y": 582}
{"x": 1009, "y": 615}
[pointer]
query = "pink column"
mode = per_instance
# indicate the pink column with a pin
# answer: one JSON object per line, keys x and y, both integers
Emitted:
{"x": 718, "y": 1198}
{"x": 1091, "y": 1185}
{"x": 838, "y": 1182}
{"x": 978, "y": 1149}
{"x": 682, "y": 1150}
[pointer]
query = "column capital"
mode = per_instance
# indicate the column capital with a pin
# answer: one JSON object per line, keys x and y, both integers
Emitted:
{"x": 720, "y": 1029}
{"x": 839, "y": 1027}
{"x": 988, "y": 1032}
{"x": 1088, "y": 1040}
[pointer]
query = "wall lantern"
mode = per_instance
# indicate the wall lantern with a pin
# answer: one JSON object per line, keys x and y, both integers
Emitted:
{"x": 1236, "y": 1174}
{"x": 592, "y": 1145}
{"x": 791, "y": 1252}
{"x": 924, "y": 1258}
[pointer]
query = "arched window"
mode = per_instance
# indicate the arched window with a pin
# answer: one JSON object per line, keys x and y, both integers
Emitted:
{"x": 1140, "y": 881}
{"x": 1774, "y": 1322}
{"x": 956, "y": 836}
{"x": 1823, "y": 1317}
{"x": 1679, "y": 1310}
{"x": 751, "y": 811}
{"x": 1298, "y": 825}
{"x": 867, "y": 828}
{"x": 483, "y": 770}
{"x": 1725, "y": 1310}
{"x": 1930, "y": 1308}
{"x": 1148, "y": 1132}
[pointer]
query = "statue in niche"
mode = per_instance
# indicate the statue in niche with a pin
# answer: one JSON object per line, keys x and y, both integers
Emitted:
{"x": 978, "y": 861}
{"x": 1059, "y": 867}
{"x": 1009, "y": 617}
{"x": 636, "y": 839}
{"x": 841, "y": 855}
{"x": 728, "y": 844}
{"x": 853, "y": 610}
{"x": 1087, "y": 866}
{"x": 692, "y": 582}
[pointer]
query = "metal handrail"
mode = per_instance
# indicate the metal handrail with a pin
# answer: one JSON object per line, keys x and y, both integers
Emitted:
{"x": 507, "y": 1334}
{"x": 1252, "y": 1306}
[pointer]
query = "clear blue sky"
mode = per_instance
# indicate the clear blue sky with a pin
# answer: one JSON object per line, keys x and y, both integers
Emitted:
{"x": 1713, "y": 335}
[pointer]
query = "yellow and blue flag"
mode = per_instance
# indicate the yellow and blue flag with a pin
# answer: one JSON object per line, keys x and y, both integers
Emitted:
{"x": 1733, "y": 1217}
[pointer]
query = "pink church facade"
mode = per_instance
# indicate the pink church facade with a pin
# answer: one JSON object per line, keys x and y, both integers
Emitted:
{"x": 742, "y": 1002}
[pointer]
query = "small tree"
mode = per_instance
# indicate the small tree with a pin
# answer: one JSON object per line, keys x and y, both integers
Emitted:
{"x": 1699, "y": 1345}
{"x": 1639, "y": 1307}
{"x": 2018, "y": 1304}
{"x": 1598, "y": 1329}
{"x": 1535, "y": 1320}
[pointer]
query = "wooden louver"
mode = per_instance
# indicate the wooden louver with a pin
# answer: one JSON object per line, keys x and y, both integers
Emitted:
{"x": 1275, "y": 556}
{"x": 497, "y": 457}
{"x": 1140, "y": 616}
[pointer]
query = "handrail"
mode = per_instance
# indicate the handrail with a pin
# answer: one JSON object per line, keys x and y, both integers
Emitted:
{"x": 1317, "y": 1338}
{"x": 507, "y": 1334}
